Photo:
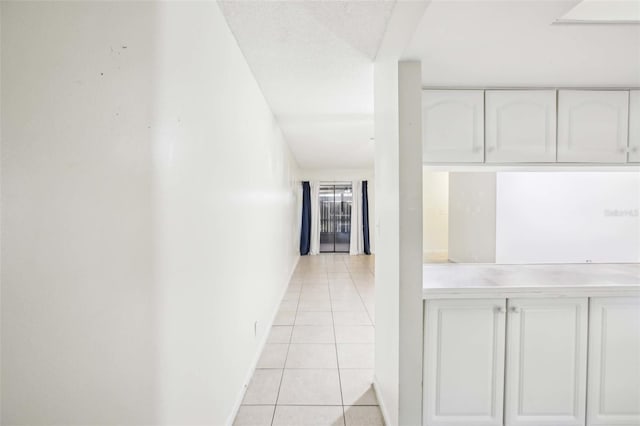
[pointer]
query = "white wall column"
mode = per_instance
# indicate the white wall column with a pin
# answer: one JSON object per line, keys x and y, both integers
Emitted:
{"x": 399, "y": 233}
{"x": 410, "y": 208}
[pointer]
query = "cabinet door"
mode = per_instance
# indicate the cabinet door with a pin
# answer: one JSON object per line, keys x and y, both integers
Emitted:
{"x": 593, "y": 126}
{"x": 546, "y": 362}
{"x": 520, "y": 126}
{"x": 464, "y": 362}
{"x": 614, "y": 362}
{"x": 453, "y": 126}
{"x": 634, "y": 126}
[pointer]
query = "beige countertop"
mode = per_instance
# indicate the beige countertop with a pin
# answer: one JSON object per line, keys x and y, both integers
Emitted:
{"x": 452, "y": 280}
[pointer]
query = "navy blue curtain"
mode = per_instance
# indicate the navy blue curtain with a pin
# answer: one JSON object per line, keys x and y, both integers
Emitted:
{"x": 305, "y": 232}
{"x": 365, "y": 217}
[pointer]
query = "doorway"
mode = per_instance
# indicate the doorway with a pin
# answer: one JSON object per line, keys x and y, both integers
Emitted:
{"x": 335, "y": 217}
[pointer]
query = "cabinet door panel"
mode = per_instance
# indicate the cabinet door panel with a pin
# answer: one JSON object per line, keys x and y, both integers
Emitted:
{"x": 464, "y": 362}
{"x": 546, "y": 362}
{"x": 520, "y": 126}
{"x": 593, "y": 126}
{"x": 614, "y": 362}
{"x": 634, "y": 126}
{"x": 453, "y": 126}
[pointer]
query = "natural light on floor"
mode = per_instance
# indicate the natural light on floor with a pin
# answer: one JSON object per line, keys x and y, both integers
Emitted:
{"x": 318, "y": 362}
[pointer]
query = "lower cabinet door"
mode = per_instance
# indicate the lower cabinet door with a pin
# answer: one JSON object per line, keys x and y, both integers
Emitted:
{"x": 614, "y": 362}
{"x": 546, "y": 362}
{"x": 464, "y": 362}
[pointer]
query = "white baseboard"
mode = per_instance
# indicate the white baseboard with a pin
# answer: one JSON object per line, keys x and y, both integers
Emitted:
{"x": 263, "y": 342}
{"x": 435, "y": 256}
{"x": 383, "y": 408}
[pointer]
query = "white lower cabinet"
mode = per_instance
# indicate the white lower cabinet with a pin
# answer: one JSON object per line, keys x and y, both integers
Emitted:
{"x": 546, "y": 367}
{"x": 614, "y": 362}
{"x": 523, "y": 362}
{"x": 464, "y": 362}
{"x": 634, "y": 126}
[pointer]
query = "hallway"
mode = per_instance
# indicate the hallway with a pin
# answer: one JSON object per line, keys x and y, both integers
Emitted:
{"x": 317, "y": 365}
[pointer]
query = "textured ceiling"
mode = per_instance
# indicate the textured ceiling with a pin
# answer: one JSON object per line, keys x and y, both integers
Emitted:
{"x": 313, "y": 61}
{"x": 515, "y": 43}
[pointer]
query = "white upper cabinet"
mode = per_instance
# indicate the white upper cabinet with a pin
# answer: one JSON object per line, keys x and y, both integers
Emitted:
{"x": 453, "y": 126}
{"x": 464, "y": 362}
{"x": 520, "y": 126}
{"x": 546, "y": 362}
{"x": 614, "y": 362}
{"x": 593, "y": 126}
{"x": 634, "y": 126}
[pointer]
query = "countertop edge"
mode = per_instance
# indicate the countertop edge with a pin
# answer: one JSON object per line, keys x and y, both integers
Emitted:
{"x": 531, "y": 291}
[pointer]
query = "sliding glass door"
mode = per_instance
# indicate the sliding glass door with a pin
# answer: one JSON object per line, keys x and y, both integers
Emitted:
{"x": 335, "y": 217}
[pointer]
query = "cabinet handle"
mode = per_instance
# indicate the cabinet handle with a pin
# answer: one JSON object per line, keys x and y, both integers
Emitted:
{"x": 490, "y": 149}
{"x": 514, "y": 309}
{"x": 634, "y": 149}
{"x": 499, "y": 310}
{"x": 477, "y": 149}
{"x": 622, "y": 150}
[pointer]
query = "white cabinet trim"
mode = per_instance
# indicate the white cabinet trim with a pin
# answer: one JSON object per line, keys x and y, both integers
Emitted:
{"x": 516, "y": 349}
{"x": 434, "y": 356}
{"x": 499, "y": 388}
{"x": 499, "y": 150}
{"x": 624, "y": 153}
{"x": 469, "y": 103}
{"x": 634, "y": 126}
{"x": 571, "y": 102}
{"x": 596, "y": 415}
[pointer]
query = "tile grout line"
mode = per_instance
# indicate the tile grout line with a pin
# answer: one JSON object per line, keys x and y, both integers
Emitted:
{"x": 366, "y": 310}
{"x": 335, "y": 342}
{"x": 275, "y": 405}
{"x": 305, "y": 276}
{"x": 362, "y": 299}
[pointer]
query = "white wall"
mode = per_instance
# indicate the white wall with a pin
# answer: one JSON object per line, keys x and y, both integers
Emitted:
{"x": 349, "y": 175}
{"x": 435, "y": 216}
{"x": 387, "y": 295}
{"x": 398, "y": 166}
{"x": 410, "y": 234}
{"x": 568, "y": 217}
{"x": 472, "y": 217}
{"x": 493, "y": 37}
{"x": 78, "y": 330}
{"x": 149, "y": 214}
{"x": 226, "y": 226}
{"x": 337, "y": 174}
{"x": 398, "y": 352}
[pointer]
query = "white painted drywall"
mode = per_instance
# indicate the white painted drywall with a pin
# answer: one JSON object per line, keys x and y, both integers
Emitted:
{"x": 565, "y": 217}
{"x": 472, "y": 217}
{"x": 226, "y": 225}
{"x": 149, "y": 214}
{"x": 410, "y": 234}
{"x": 387, "y": 223}
{"x": 78, "y": 298}
{"x": 435, "y": 216}
{"x": 349, "y": 175}
{"x": 313, "y": 62}
{"x": 398, "y": 353}
{"x": 398, "y": 326}
{"x": 516, "y": 43}
{"x": 1, "y": 217}
{"x": 342, "y": 175}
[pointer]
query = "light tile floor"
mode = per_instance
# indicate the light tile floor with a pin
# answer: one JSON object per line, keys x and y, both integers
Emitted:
{"x": 317, "y": 366}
